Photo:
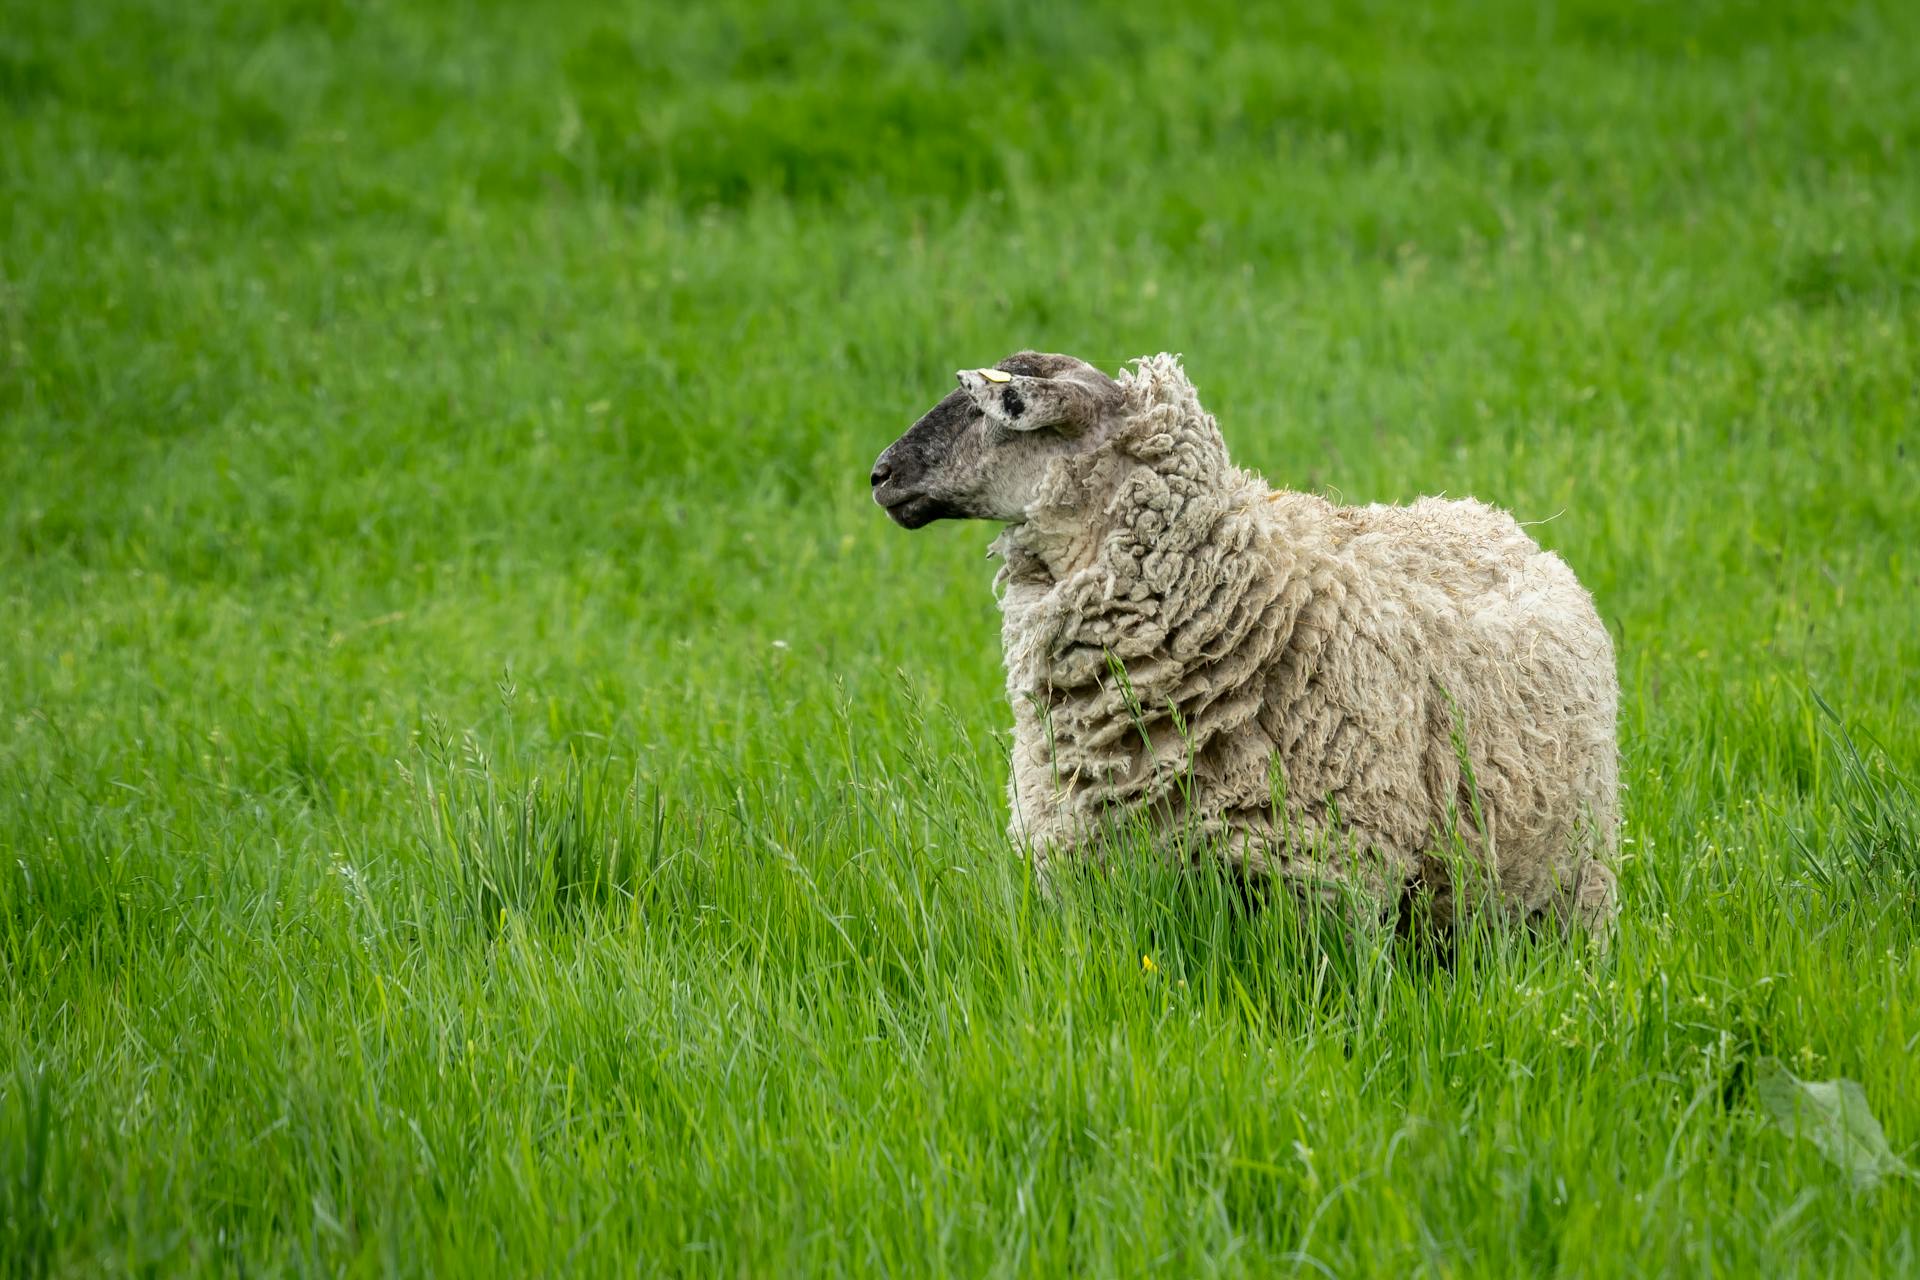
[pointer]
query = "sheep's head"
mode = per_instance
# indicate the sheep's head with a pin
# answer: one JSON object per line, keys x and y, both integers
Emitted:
{"x": 980, "y": 453}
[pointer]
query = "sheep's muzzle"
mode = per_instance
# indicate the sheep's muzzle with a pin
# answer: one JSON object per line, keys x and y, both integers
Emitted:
{"x": 903, "y": 475}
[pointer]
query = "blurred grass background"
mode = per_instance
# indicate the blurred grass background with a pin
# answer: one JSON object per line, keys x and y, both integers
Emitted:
{"x": 482, "y": 788}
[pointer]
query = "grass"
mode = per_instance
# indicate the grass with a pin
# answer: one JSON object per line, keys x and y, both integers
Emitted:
{"x": 482, "y": 790}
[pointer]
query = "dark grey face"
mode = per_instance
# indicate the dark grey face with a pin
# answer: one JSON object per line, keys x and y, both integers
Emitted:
{"x": 980, "y": 453}
{"x": 903, "y": 476}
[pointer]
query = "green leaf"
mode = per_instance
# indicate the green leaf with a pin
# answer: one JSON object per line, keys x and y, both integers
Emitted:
{"x": 1833, "y": 1115}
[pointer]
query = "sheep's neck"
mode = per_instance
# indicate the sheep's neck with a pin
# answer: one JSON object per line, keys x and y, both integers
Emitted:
{"x": 1126, "y": 603}
{"x": 1116, "y": 510}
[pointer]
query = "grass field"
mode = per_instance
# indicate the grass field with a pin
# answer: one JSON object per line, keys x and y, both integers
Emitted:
{"x": 482, "y": 790}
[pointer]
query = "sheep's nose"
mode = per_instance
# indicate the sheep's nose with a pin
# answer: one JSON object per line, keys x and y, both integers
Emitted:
{"x": 881, "y": 470}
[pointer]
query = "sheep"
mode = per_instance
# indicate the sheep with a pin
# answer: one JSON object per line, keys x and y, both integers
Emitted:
{"x": 1411, "y": 708}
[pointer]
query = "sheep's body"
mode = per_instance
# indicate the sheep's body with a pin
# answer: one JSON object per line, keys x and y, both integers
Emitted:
{"x": 1302, "y": 682}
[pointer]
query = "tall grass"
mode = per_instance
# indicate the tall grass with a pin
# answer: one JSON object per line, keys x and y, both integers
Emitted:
{"x": 351, "y": 356}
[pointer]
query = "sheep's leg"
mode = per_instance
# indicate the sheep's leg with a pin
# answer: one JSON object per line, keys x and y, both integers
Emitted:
{"x": 1594, "y": 900}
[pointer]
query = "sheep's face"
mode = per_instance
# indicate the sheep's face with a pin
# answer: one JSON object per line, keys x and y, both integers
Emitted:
{"x": 980, "y": 453}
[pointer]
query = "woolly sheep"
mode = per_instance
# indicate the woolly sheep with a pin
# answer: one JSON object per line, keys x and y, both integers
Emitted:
{"x": 1297, "y": 684}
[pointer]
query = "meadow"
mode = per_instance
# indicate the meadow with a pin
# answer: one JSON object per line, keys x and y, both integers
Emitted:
{"x": 484, "y": 791}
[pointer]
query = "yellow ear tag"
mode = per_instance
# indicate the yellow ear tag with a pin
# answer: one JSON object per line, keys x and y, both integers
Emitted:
{"x": 996, "y": 375}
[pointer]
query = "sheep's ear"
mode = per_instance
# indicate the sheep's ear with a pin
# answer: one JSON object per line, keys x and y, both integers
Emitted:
{"x": 1017, "y": 402}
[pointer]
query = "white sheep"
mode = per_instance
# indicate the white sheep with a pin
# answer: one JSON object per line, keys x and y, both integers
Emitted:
{"x": 1296, "y": 684}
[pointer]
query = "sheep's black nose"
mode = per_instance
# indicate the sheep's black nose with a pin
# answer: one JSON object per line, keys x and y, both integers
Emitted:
{"x": 881, "y": 470}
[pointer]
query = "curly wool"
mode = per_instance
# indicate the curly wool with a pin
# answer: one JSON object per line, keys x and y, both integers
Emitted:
{"x": 1298, "y": 684}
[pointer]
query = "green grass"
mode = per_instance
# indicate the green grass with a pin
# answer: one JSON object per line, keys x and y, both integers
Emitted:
{"x": 483, "y": 790}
